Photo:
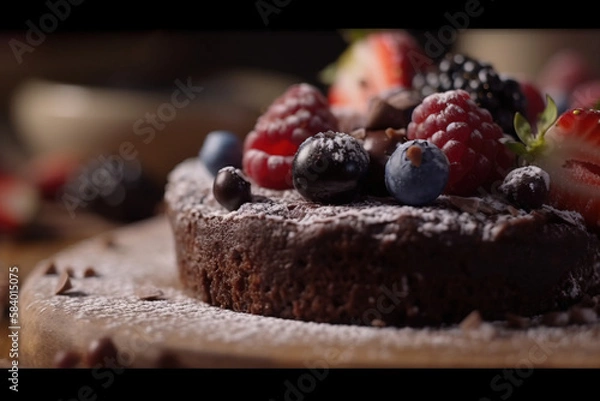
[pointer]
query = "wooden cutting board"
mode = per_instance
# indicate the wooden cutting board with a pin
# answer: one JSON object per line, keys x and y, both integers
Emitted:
{"x": 135, "y": 299}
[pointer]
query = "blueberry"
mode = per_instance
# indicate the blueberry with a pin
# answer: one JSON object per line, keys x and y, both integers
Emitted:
{"x": 417, "y": 172}
{"x": 330, "y": 167}
{"x": 221, "y": 149}
{"x": 230, "y": 188}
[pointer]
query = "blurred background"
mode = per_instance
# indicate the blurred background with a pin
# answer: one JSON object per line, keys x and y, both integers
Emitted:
{"x": 71, "y": 102}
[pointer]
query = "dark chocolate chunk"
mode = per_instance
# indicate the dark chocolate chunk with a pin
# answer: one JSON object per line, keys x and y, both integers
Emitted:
{"x": 89, "y": 272}
{"x": 392, "y": 110}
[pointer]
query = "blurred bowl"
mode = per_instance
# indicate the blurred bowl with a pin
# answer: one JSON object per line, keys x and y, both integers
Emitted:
{"x": 159, "y": 127}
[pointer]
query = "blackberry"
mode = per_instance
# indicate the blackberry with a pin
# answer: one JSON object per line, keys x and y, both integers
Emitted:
{"x": 501, "y": 96}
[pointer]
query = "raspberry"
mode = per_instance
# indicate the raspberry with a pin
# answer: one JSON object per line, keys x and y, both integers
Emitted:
{"x": 269, "y": 149}
{"x": 468, "y": 136}
{"x": 501, "y": 96}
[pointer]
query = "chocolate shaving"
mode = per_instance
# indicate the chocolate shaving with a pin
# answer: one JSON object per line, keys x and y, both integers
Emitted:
{"x": 555, "y": 319}
{"x": 149, "y": 293}
{"x": 89, "y": 272}
{"x": 70, "y": 271}
{"x": 512, "y": 210}
{"x": 50, "y": 269}
{"x": 64, "y": 284}
{"x": 517, "y": 322}
{"x": 472, "y": 321}
{"x": 582, "y": 315}
{"x": 467, "y": 205}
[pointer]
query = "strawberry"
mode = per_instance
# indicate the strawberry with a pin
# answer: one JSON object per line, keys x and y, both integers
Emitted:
{"x": 19, "y": 203}
{"x": 567, "y": 147}
{"x": 536, "y": 103}
{"x": 49, "y": 173}
{"x": 372, "y": 63}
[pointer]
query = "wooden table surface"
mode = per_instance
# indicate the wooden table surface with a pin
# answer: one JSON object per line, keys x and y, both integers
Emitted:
{"x": 54, "y": 231}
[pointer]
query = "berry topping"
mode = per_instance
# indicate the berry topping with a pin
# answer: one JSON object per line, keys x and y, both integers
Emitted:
{"x": 330, "y": 167}
{"x": 568, "y": 149}
{"x": 375, "y": 61}
{"x": 467, "y": 135}
{"x": 231, "y": 189}
{"x": 269, "y": 149}
{"x": 220, "y": 149}
{"x": 502, "y": 97}
{"x": 527, "y": 187}
{"x": 380, "y": 144}
{"x": 417, "y": 172}
{"x": 392, "y": 109}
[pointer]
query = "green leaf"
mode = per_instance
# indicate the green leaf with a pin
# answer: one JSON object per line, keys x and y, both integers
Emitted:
{"x": 523, "y": 128}
{"x": 353, "y": 35}
{"x": 547, "y": 117}
{"x": 327, "y": 74}
{"x": 516, "y": 147}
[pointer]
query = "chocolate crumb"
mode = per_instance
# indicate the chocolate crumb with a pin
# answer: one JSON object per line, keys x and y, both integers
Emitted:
{"x": 66, "y": 359}
{"x": 50, "y": 269}
{"x": 89, "y": 272}
{"x": 588, "y": 302}
{"x": 555, "y": 319}
{"x": 378, "y": 323}
{"x": 64, "y": 284}
{"x": 582, "y": 315}
{"x": 149, "y": 293}
{"x": 101, "y": 352}
{"x": 167, "y": 360}
{"x": 109, "y": 241}
{"x": 472, "y": 321}
{"x": 517, "y": 322}
{"x": 512, "y": 210}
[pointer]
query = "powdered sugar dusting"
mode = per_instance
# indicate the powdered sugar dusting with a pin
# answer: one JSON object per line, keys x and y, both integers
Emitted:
{"x": 189, "y": 190}
{"x": 106, "y": 305}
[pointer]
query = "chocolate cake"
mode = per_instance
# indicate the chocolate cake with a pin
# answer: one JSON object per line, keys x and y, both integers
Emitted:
{"x": 374, "y": 261}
